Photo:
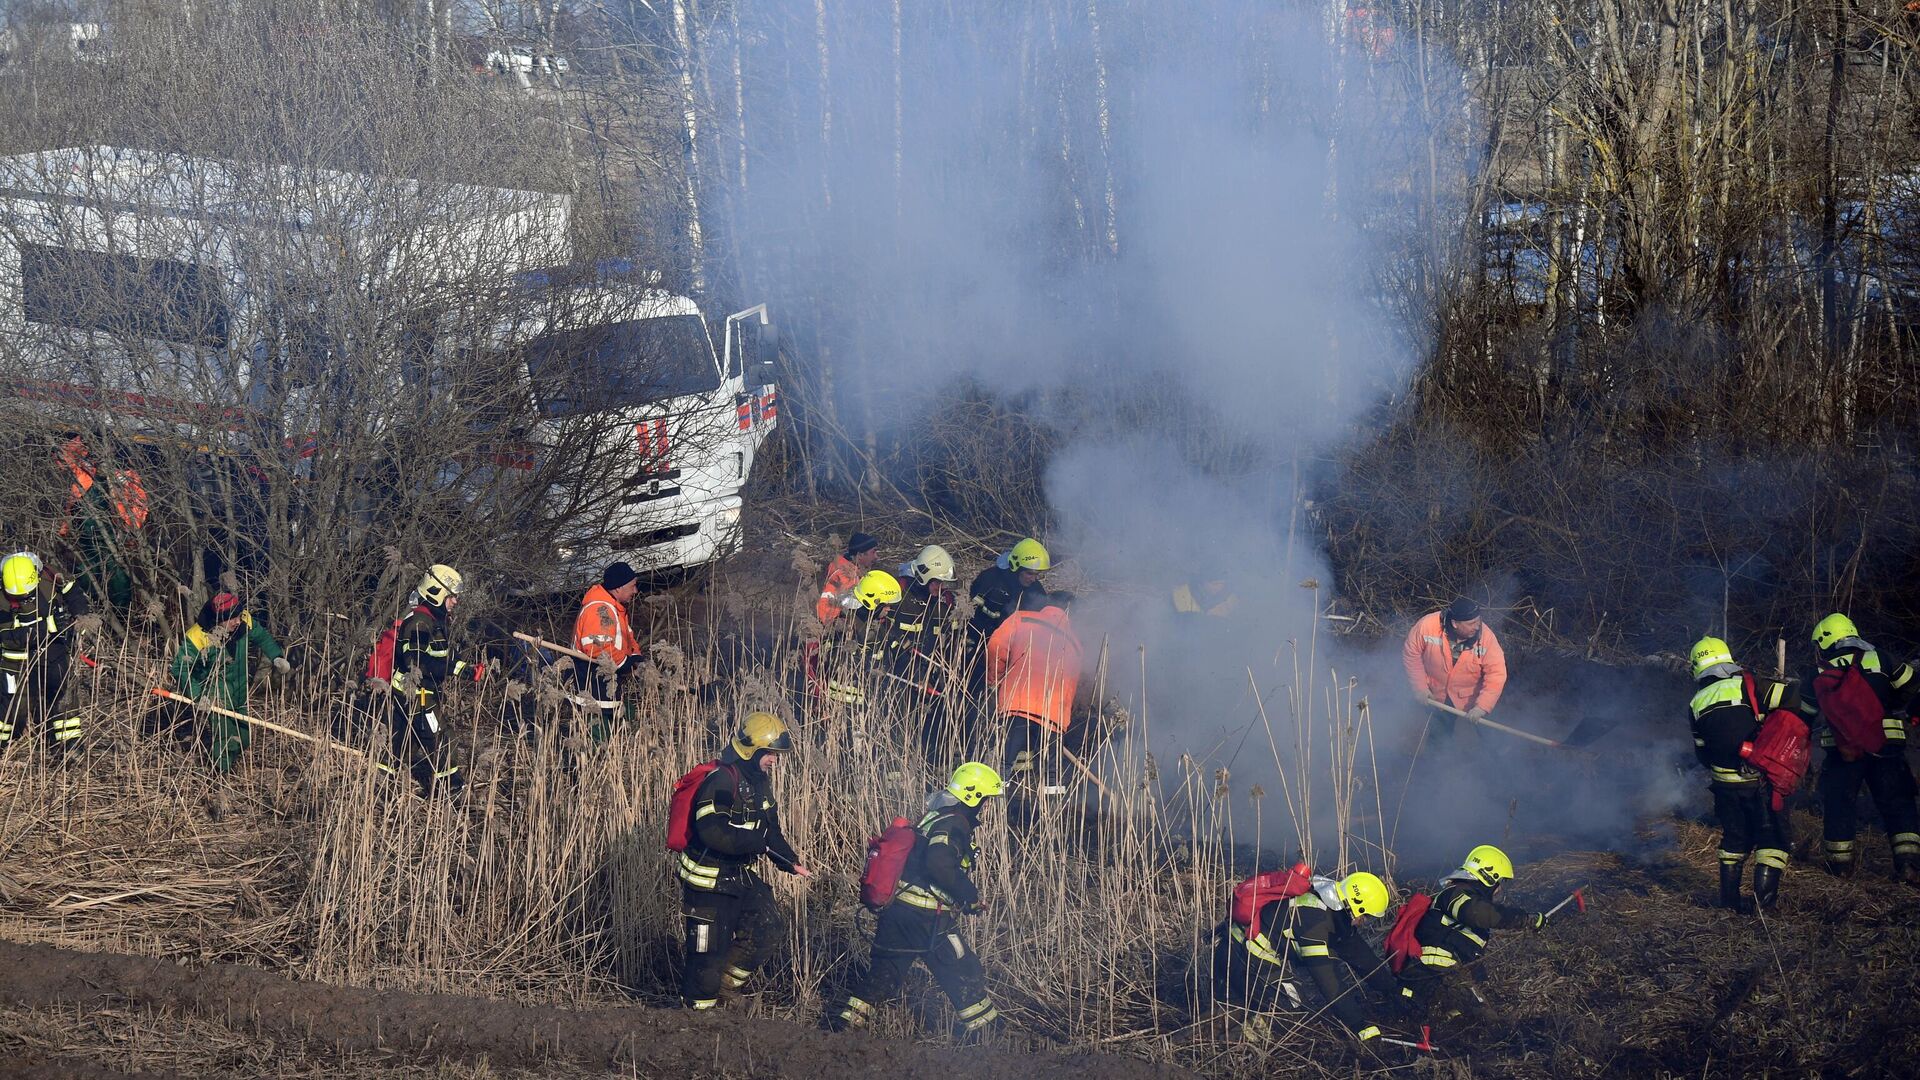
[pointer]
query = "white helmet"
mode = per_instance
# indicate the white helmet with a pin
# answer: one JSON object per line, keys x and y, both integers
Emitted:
{"x": 932, "y": 564}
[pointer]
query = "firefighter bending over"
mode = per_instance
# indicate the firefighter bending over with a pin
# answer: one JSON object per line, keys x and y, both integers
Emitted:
{"x": 1457, "y": 925}
{"x": 1725, "y": 715}
{"x": 730, "y": 821}
{"x": 923, "y": 921}
{"x": 1318, "y": 933}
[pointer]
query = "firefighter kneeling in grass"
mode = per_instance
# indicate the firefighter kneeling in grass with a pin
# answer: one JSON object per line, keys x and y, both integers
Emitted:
{"x": 722, "y": 820}
{"x": 1725, "y": 715}
{"x": 1310, "y": 922}
{"x": 1453, "y": 928}
{"x": 922, "y": 920}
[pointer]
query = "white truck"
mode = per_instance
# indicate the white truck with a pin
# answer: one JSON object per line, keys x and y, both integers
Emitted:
{"x": 154, "y": 294}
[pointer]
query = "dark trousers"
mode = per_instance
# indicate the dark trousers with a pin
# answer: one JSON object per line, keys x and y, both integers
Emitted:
{"x": 907, "y": 934}
{"x": 38, "y": 700}
{"x": 1247, "y": 981}
{"x": 419, "y": 741}
{"x": 730, "y": 931}
{"x": 1890, "y": 781}
{"x": 1749, "y": 825}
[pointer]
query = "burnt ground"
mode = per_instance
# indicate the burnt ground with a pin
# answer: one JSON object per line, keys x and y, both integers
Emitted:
{"x": 50, "y": 997}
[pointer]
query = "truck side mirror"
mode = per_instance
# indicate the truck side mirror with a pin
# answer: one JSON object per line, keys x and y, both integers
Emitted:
{"x": 769, "y": 334}
{"x": 760, "y": 373}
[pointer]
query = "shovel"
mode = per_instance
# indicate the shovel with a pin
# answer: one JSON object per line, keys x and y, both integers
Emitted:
{"x": 1587, "y": 731}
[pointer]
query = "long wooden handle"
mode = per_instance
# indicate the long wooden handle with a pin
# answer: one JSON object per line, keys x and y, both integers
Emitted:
{"x": 1515, "y": 732}
{"x": 543, "y": 643}
{"x": 270, "y": 726}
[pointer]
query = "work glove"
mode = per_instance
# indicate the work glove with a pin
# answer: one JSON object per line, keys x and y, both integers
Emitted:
{"x": 282, "y": 665}
{"x": 849, "y": 603}
{"x": 86, "y": 624}
{"x": 1538, "y": 921}
{"x": 1476, "y": 713}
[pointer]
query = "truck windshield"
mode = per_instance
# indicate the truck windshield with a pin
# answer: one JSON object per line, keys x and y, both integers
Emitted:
{"x": 621, "y": 364}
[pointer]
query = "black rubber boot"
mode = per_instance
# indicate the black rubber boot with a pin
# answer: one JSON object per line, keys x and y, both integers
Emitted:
{"x": 1766, "y": 886}
{"x": 1730, "y": 878}
{"x": 1840, "y": 868}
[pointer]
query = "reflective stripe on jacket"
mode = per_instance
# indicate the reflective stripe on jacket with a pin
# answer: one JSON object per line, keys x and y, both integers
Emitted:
{"x": 601, "y": 629}
{"x": 1472, "y": 680}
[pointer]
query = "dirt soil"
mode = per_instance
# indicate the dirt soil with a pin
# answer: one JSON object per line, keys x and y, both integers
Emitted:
{"x": 635, "y": 1040}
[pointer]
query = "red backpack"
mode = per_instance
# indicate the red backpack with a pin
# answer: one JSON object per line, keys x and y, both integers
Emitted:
{"x": 680, "y": 810}
{"x": 1402, "y": 946}
{"x": 886, "y": 861}
{"x": 1252, "y": 896}
{"x": 1781, "y": 749}
{"x": 380, "y": 664}
{"x": 1852, "y": 709}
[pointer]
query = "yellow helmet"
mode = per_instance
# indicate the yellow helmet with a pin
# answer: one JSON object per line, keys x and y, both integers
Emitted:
{"x": 21, "y": 573}
{"x": 761, "y": 731}
{"x": 1835, "y": 627}
{"x": 1029, "y": 554}
{"x": 933, "y": 564}
{"x": 974, "y": 782}
{"x": 440, "y": 582}
{"x": 1709, "y": 653}
{"x": 1488, "y": 864}
{"x": 1365, "y": 894}
{"x": 878, "y": 587}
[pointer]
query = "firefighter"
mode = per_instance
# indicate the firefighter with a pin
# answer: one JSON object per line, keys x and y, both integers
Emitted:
{"x": 1205, "y": 595}
{"x": 731, "y": 921}
{"x": 1723, "y": 719}
{"x": 1845, "y": 767}
{"x": 1454, "y": 931}
{"x": 997, "y": 590}
{"x": 863, "y": 647}
{"x": 1033, "y": 668}
{"x": 1319, "y": 933}
{"x": 844, "y": 574}
{"x": 211, "y": 668}
{"x": 918, "y": 633}
{"x": 36, "y": 650}
{"x": 923, "y": 922}
{"x": 424, "y": 662}
{"x": 602, "y": 631}
{"x": 1452, "y": 657}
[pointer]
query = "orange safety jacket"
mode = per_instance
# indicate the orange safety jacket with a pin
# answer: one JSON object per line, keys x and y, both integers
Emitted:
{"x": 602, "y": 629}
{"x": 1033, "y": 663}
{"x": 842, "y": 576}
{"x": 1473, "y": 680}
{"x": 129, "y": 496}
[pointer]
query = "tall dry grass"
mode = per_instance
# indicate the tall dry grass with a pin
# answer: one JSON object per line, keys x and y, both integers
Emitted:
{"x": 548, "y": 881}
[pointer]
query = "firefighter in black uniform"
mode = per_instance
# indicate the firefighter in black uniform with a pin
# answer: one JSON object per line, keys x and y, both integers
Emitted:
{"x": 732, "y": 923}
{"x": 1454, "y": 931}
{"x": 918, "y": 633}
{"x": 996, "y": 591}
{"x": 923, "y": 921}
{"x": 423, "y": 663}
{"x": 1723, "y": 719}
{"x": 1318, "y": 932}
{"x": 1886, "y": 774}
{"x": 36, "y": 651}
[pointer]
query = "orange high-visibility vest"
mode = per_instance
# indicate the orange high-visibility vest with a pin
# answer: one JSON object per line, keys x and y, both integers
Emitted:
{"x": 602, "y": 629}
{"x": 842, "y": 576}
{"x": 1033, "y": 663}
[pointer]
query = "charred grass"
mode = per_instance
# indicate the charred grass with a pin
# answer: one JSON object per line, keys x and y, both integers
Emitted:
{"x": 546, "y": 885}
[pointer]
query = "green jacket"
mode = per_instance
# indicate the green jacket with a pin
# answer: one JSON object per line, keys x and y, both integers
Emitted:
{"x": 220, "y": 673}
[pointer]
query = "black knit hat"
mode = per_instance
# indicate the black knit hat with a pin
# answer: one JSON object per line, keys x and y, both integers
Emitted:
{"x": 616, "y": 575}
{"x": 860, "y": 542}
{"x": 1465, "y": 609}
